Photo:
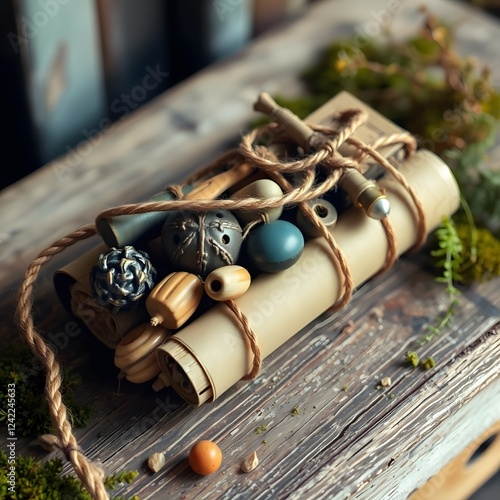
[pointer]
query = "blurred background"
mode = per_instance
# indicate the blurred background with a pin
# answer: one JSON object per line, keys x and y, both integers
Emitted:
{"x": 70, "y": 68}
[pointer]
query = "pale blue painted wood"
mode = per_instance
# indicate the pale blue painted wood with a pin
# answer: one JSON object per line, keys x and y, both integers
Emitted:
{"x": 64, "y": 54}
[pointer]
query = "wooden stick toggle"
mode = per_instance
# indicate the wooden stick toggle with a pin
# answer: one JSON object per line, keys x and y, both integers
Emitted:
{"x": 363, "y": 192}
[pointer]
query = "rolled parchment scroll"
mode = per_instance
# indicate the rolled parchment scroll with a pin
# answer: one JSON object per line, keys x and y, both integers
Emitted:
{"x": 211, "y": 354}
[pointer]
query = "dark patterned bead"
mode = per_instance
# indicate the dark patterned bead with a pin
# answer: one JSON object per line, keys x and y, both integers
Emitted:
{"x": 121, "y": 278}
{"x": 199, "y": 242}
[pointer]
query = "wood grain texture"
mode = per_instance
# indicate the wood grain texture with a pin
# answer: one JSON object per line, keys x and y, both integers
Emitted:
{"x": 346, "y": 438}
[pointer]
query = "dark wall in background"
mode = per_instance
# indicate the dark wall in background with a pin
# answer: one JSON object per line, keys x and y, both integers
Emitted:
{"x": 71, "y": 67}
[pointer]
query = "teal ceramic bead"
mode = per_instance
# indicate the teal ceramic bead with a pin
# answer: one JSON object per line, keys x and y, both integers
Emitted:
{"x": 274, "y": 246}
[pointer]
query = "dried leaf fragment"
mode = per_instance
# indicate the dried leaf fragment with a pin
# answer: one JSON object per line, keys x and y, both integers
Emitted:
{"x": 156, "y": 461}
{"x": 250, "y": 462}
{"x": 386, "y": 382}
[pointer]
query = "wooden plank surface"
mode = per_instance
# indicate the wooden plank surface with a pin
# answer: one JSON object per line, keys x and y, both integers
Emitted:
{"x": 356, "y": 442}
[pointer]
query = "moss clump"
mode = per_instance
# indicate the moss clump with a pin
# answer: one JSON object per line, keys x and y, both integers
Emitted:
{"x": 428, "y": 363}
{"x": 37, "y": 480}
{"x": 480, "y": 253}
{"x": 24, "y": 370}
{"x": 412, "y": 358}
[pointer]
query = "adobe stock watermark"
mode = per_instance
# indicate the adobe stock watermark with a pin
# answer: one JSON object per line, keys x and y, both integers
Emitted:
{"x": 308, "y": 268}
{"x": 434, "y": 485}
{"x": 164, "y": 406}
{"x": 30, "y": 27}
{"x": 60, "y": 340}
{"x": 455, "y": 119}
{"x": 381, "y": 19}
{"x": 122, "y": 107}
{"x": 452, "y": 469}
{"x": 224, "y": 7}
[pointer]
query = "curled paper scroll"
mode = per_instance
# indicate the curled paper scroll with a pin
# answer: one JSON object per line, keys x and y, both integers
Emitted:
{"x": 211, "y": 354}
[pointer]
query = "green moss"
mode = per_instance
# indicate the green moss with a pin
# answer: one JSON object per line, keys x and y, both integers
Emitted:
{"x": 480, "y": 253}
{"x": 260, "y": 429}
{"x": 402, "y": 81}
{"x": 412, "y": 358}
{"x": 428, "y": 363}
{"x": 42, "y": 480}
{"x": 24, "y": 370}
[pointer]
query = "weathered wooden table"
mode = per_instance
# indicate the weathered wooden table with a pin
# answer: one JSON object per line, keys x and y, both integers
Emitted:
{"x": 347, "y": 439}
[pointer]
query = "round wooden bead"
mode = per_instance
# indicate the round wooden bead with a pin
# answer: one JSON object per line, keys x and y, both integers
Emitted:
{"x": 227, "y": 282}
{"x": 174, "y": 299}
{"x": 135, "y": 355}
{"x": 325, "y": 211}
{"x": 261, "y": 188}
{"x": 274, "y": 246}
{"x": 201, "y": 242}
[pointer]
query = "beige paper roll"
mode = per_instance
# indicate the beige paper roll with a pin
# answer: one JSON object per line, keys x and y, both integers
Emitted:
{"x": 210, "y": 355}
{"x": 73, "y": 288}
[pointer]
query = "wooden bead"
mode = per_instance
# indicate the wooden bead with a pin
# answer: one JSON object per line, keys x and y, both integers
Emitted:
{"x": 227, "y": 282}
{"x": 261, "y": 188}
{"x": 135, "y": 355}
{"x": 325, "y": 211}
{"x": 174, "y": 300}
{"x": 275, "y": 246}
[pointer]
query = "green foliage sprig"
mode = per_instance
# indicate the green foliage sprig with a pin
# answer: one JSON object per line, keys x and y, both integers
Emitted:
{"x": 448, "y": 258}
{"x": 41, "y": 480}
{"x": 32, "y": 414}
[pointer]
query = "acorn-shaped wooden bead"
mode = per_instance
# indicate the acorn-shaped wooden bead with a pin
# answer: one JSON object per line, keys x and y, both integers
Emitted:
{"x": 227, "y": 282}
{"x": 174, "y": 299}
{"x": 264, "y": 189}
{"x": 135, "y": 355}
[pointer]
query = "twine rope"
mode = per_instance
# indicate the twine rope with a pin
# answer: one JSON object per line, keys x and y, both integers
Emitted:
{"x": 89, "y": 473}
{"x": 325, "y": 141}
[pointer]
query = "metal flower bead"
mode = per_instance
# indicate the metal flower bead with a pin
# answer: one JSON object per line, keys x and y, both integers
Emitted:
{"x": 199, "y": 242}
{"x": 121, "y": 278}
